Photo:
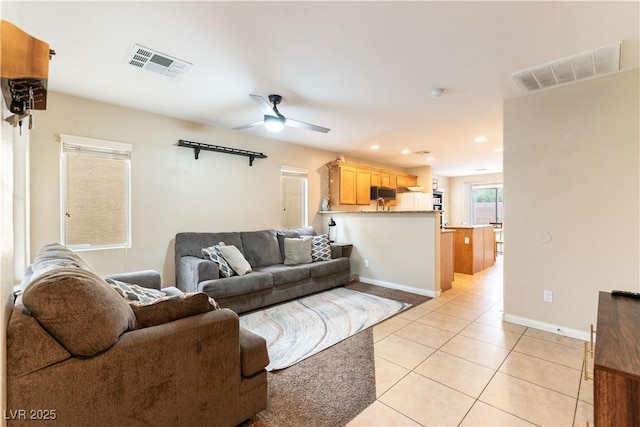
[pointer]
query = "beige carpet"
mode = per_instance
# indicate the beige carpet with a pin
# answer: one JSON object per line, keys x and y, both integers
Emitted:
{"x": 329, "y": 388}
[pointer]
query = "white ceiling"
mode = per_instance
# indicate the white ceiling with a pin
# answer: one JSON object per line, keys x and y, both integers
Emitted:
{"x": 365, "y": 70}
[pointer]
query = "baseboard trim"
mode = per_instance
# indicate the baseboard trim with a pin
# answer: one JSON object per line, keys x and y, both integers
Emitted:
{"x": 548, "y": 327}
{"x": 399, "y": 287}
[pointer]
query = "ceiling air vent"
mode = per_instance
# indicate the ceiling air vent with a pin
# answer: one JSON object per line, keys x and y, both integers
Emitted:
{"x": 159, "y": 63}
{"x": 587, "y": 65}
{"x": 422, "y": 152}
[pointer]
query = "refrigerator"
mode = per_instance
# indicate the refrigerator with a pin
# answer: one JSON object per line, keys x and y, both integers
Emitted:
{"x": 414, "y": 201}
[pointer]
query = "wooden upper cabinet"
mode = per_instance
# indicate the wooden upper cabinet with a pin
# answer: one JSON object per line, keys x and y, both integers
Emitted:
{"x": 363, "y": 187}
{"x": 375, "y": 178}
{"x": 348, "y": 177}
{"x": 350, "y": 184}
{"x": 384, "y": 179}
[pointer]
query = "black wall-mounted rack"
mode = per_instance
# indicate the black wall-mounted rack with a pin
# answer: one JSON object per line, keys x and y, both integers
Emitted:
{"x": 197, "y": 146}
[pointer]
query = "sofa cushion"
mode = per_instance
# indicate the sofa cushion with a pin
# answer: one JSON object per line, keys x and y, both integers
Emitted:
{"x": 191, "y": 243}
{"x": 253, "y": 357}
{"x": 79, "y": 309}
{"x": 134, "y": 294}
{"x": 261, "y": 248}
{"x": 237, "y": 285}
{"x": 235, "y": 259}
{"x": 213, "y": 253}
{"x": 321, "y": 248}
{"x": 292, "y": 233}
{"x": 326, "y": 268}
{"x": 297, "y": 251}
{"x": 286, "y": 274}
{"x": 172, "y": 308}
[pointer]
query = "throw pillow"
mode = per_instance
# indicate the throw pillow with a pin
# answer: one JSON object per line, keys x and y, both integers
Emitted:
{"x": 172, "y": 308}
{"x": 79, "y": 309}
{"x": 135, "y": 294}
{"x": 213, "y": 253}
{"x": 236, "y": 260}
{"x": 321, "y": 248}
{"x": 297, "y": 251}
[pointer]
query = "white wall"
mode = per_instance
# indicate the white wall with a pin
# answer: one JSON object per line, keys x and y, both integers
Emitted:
{"x": 403, "y": 249}
{"x": 171, "y": 191}
{"x": 572, "y": 183}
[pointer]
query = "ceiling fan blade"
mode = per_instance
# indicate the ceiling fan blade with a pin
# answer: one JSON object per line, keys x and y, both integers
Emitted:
{"x": 259, "y": 122}
{"x": 303, "y": 125}
{"x": 266, "y": 108}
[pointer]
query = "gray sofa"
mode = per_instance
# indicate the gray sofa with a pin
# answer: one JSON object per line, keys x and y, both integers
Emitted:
{"x": 79, "y": 355}
{"x": 270, "y": 282}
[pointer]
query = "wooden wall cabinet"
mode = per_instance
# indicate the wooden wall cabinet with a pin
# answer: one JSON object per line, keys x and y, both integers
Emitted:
{"x": 350, "y": 184}
{"x": 616, "y": 370}
{"x": 24, "y": 66}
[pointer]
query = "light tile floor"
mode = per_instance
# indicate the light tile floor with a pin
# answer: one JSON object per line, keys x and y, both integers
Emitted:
{"x": 452, "y": 361}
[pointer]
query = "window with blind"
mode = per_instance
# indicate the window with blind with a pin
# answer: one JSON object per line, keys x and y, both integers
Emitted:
{"x": 95, "y": 180}
{"x": 294, "y": 197}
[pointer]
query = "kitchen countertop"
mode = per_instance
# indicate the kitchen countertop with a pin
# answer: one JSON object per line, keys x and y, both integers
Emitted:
{"x": 468, "y": 226}
{"x": 374, "y": 212}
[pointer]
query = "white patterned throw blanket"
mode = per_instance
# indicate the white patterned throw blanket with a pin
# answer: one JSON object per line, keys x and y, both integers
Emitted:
{"x": 298, "y": 329}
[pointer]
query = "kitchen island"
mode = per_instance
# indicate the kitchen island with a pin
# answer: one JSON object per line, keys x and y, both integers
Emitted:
{"x": 396, "y": 249}
{"x": 474, "y": 247}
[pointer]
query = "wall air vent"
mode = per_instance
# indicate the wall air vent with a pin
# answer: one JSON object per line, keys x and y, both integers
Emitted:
{"x": 586, "y": 65}
{"x": 159, "y": 63}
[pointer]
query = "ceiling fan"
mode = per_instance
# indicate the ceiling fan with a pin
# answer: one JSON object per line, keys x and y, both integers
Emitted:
{"x": 273, "y": 120}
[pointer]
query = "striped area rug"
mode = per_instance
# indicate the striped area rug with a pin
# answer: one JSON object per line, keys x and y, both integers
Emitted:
{"x": 298, "y": 329}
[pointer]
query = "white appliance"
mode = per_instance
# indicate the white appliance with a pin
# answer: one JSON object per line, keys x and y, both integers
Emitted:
{"x": 414, "y": 201}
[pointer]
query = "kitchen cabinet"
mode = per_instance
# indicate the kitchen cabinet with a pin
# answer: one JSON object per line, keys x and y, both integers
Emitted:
{"x": 351, "y": 184}
{"x": 384, "y": 179}
{"x": 616, "y": 368}
{"x": 375, "y": 178}
{"x": 474, "y": 247}
{"x": 447, "y": 259}
{"x": 363, "y": 186}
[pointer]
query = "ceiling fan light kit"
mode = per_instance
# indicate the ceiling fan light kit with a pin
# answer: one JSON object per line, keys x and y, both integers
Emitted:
{"x": 273, "y": 120}
{"x": 274, "y": 124}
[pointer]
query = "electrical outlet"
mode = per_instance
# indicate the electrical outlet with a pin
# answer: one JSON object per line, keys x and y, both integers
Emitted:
{"x": 466, "y": 241}
{"x": 366, "y": 263}
{"x": 548, "y": 296}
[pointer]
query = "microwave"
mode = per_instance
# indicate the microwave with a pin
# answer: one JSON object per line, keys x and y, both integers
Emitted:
{"x": 386, "y": 193}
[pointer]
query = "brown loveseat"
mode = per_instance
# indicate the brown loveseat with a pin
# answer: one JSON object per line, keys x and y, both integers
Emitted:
{"x": 79, "y": 355}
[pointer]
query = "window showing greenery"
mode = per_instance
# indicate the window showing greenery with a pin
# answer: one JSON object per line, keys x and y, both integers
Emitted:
{"x": 487, "y": 204}
{"x": 294, "y": 197}
{"x": 95, "y": 193}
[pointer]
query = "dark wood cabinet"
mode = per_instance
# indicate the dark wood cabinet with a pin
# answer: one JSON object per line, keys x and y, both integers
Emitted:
{"x": 616, "y": 391}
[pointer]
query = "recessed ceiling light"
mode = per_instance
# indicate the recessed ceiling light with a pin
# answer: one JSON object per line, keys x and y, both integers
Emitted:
{"x": 481, "y": 139}
{"x": 431, "y": 159}
{"x": 405, "y": 151}
{"x": 498, "y": 149}
{"x": 438, "y": 92}
{"x": 375, "y": 147}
